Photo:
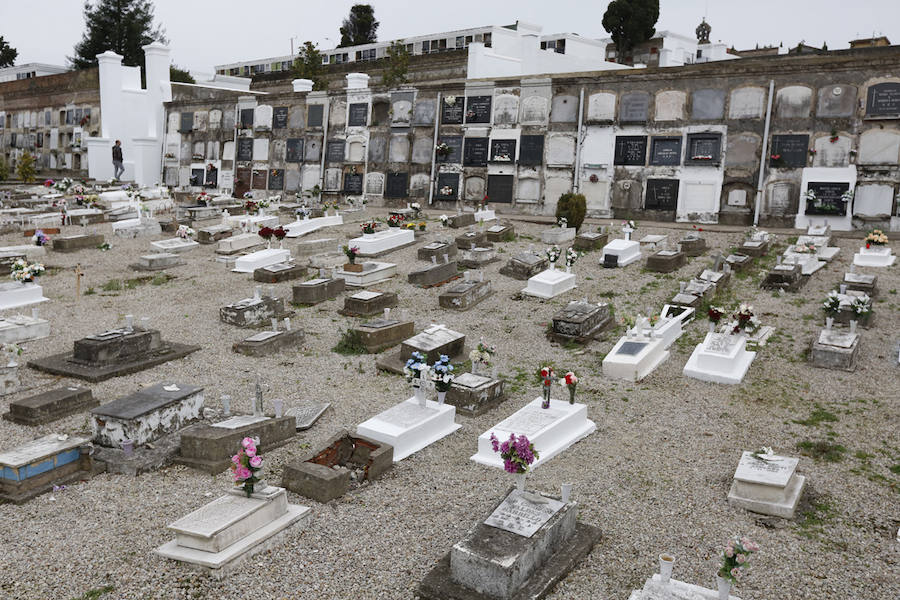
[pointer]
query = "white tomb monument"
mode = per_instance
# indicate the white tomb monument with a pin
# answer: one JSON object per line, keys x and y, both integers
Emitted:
{"x": 767, "y": 484}
{"x": 550, "y": 283}
{"x": 625, "y": 251}
{"x": 371, "y": 244}
{"x": 411, "y": 426}
{"x": 261, "y": 258}
{"x": 720, "y": 358}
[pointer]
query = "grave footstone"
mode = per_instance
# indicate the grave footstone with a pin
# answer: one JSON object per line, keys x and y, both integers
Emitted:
{"x": 252, "y": 312}
{"x": 279, "y": 272}
{"x": 767, "y": 484}
{"x": 835, "y": 349}
{"x": 524, "y": 265}
{"x": 434, "y": 275}
{"x": 50, "y": 406}
{"x": 73, "y": 243}
{"x": 368, "y": 302}
{"x": 266, "y": 343}
{"x": 378, "y": 334}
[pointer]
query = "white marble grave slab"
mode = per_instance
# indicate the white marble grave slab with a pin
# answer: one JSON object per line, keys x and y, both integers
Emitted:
{"x": 633, "y": 358}
{"x": 383, "y": 241}
{"x": 627, "y": 251}
{"x": 262, "y": 336}
{"x": 373, "y": 272}
{"x": 720, "y": 358}
{"x": 517, "y": 514}
{"x": 239, "y": 421}
{"x": 409, "y": 427}
{"x": 549, "y": 284}
{"x": 176, "y": 245}
{"x": 304, "y": 226}
{"x": 767, "y": 485}
{"x": 260, "y": 259}
{"x": 365, "y": 295}
{"x": 21, "y": 328}
{"x": 832, "y": 337}
{"x": 14, "y": 294}
{"x": 876, "y": 256}
{"x": 238, "y": 242}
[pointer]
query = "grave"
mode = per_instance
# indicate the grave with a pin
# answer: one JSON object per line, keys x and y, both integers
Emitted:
{"x": 266, "y": 343}
{"x": 37, "y": 466}
{"x": 465, "y": 294}
{"x": 665, "y": 261}
{"x": 73, "y": 243}
{"x": 215, "y": 538}
{"x": 434, "y": 274}
{"x": 590, "y": 240}
{"x": 692, "y": 244}
{"x": 473, "y": 395}
{"x": 720, "y": 358}
{"x": 808, "y": 261}
{"x": 527, "y": 544}
{"x": 255, "y": 311}
{"x": 551, "y": 430}
{"x": 317, "y": 290}
{"x": 28, "y": 251}
{"x": 485, "y": 214}
{"x": 655, "y": 589}
{"x": 671, "y": 323}
{"x": 261, "y": 258}
{"x": 382, "y": 242}
{"x": 147, "y": 415}
{"x": 21, "y": 328}
{"x": 304, "y": 226}
{"x": 471, "y": 239}
{"x": 15, "y": 294}
{"x": 620, "y": 253}
{"x": 834, "y": 349}
{"x": 654, "y": 240}
{"x": 580, "y": 321}
{"x": 461, "y": 220}
{"x": 524, "y": 265}
{"x": 785, "y": 277}
{"x": 175, "y": 245}
{"x": 367, "y": 303}
{"x": 9, "y": 379}
{"x": 279, "y": 272}
{"x": 874, "y": 256}
{"x": 378, "y": 334}
{"x": 8, "y": 258}
{"x": 558, "y": 235}
{"x": 768, "y": 485}
{"x": 307, "y": 414}
{"x": 209, "y": 447}
{"x": 477, "y": 258}
{"x": 305, "y": 248}
{"x": 410, "y": 426}
{"x": 327, "y": 473}
{"x": 549, "y": 284}
{"x": 157, "y": 262}
{"x": 824, "y": 252}
{"x": 251, "y": 222}
{"x": 135, "y": 228}
{"x": 858, "y": 282}
{"x": 113, "y": 353}
{"x": 235, "y": 243}
{"x": 757, "y": 245}
{"x": 738, "y": 262}
{"x": 214, "y": 233}
{"x": 50, "y": 406}
{"x": 373, "y": 273}
{"x": 437, "y": 249}
{"x": 433, "y": 341}
{"x": 846, "y": 314}
{"x": 634, "y": 357}
{"x": 500, "y": 233}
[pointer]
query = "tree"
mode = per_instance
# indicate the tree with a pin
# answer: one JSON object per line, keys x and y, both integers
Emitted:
{"x": 630, "y": 22}
{"x": 25, "y": 167}
{"x": 180, "y": 75}
{"x": 8, "y": 54}
{"x": 360, "y": 26}
{"x": 398, "y": 64}
{"x": 308, "y": 65}
{"x": 123, "y": 26}
{"x": 4, "y": 169}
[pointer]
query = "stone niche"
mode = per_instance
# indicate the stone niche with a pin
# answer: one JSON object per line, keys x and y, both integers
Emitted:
{"x": 601, "y": 107}
{"x": 375, "y": 183}
{"x": 423, "y": 112}
{"x": 634, "y": 107}
{"x": 832, "y": 154}
{"x": 377, "y": 148}
{"x": 742, "y": 150}
{"x": 746, "y": 103}
{"x": 670, "y": 105}
{"x": 418, "y": 185}
{"x": 879, "y": 146}
{"x": 337, "y": 115}
{"x": 399, "y": 149}
{"x": 626, "y": 195}
{"x": 474, "y": 188}
{"x": 534, "y": 110}
{"x": 836, "y": 101}
{"x": 422, "y": 150}
{"x": 506, "y": 109}
{"x": 528, "y": 190}
{"x": 401, "y": 109}
{"x": 874, "y": 200}
{"x": 560, "y": 149}
{"x": 708, "y": 104}
{"x": 356, "y": 149}
{"x": 793, "y": 102}
{"x": 296, "y": 116}
{"x": 781, "y": 198}
{"x": 564, "y": 109}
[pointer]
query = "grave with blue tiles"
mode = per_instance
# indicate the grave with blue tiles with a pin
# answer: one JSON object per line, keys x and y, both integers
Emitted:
{"x": 37, "y": 466}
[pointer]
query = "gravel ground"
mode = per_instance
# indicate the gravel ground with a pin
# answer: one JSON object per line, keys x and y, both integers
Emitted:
{"x": 653, "y": 477}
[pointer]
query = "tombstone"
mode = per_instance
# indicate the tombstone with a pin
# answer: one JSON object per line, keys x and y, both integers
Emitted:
{"x": 345, "y": 462}
{"x": 399, "y": 149}
{"x": 37, "y": 466}
{"x": 634, "y": 107}
{"x": 424, "y": 111}
{"x": 590, "y": 240}
{"x": 793, "y": 102}
{"x": 209, "y": 447}
{"x": 524, "y": 265}
{"x": 792, "y": 151}
{"x": 477, "y": 257}
{"x": 50, "y": 406}
{"x": 665, "y": 261}
{"x": 382, "y": 333}
{"x": 703, "y": 149}
{"x": 73, "y": 243}
{"x": 461, "y": 220}
{"x": 279, "y": 272}
{"x": 261, "y": 258}
{"x": 836, "y": 101}
{"x": 665, "y": 151}
{"x": 835, "y": 349}
{"x": 373, "y": 272}
{"x": 367, "y": 303}
{"x": 549, "y": 284}
{"x": 158, "y": 261}
{"x": 630, "y": 150}
{"x": 580, "y": 322}
{"x": 501, "y": 232}
{"x": 422, "y": 150}
{"x": 22, "y": 328}
{"x": 767, "y": 485}
{"x": 334, "y": 151}
{"x": 235, "y": 243}
{"x": 452, "y": 110}
{"x": 633, "y": 358}
{"x": 506, "y": 109}
{"x": 433, "y": 275}
{"x": 436, "y": 251}
{"x": 883, "y": 100}
{"x": 267, "y": 343}
{"x": 470, "y": 239}
{"x": 534, "y": 110}
{"x": 252, "y": 312}
{"x": 670, "y": 105}
{"x": 433, "y": 341}
{"x": 879, "y": 147}
{"x": 475, "y": 152}
{"x": 112, "y": 353}
{"x": 860, "y": 282}
{"x": 662, "y": 194}
{"x": 720, "y": 358}
{"x": 708, "y": 104}
{"x": 317, "y": 290}
{"x": 478, "y": 109}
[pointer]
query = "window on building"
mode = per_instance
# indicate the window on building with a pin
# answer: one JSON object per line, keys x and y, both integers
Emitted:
{"x": 487, "y": 40}
{"x": 365, "y": 54}
{"x": 699, "y": 53}
{"x": 409, "y": 48}
{"x": 468, "y": 40}
{"x": 543, "y": 45}
{"x": 425, "y": 47}
{"x": 442, "y": 44}
{"x": 561, "y": 46}
{"x": 654, "y": 50}
{"x": 460, "y": 42}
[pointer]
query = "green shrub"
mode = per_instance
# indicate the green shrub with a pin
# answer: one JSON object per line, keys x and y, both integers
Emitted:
{"x": 4, "y": 169}
{"x": 573, "y": 207}
{"x": 25, "y": 168}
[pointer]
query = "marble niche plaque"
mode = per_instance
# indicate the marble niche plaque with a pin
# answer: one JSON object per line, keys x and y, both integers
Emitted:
{"x": 522, "y": 516}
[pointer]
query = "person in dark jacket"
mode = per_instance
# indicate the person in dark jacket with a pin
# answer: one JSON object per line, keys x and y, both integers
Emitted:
{"x": 117, "y": 160}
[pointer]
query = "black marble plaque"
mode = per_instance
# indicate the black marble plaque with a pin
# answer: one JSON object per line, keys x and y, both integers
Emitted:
{"x": 610, "y": 261}
{"x": 395, "y": 185}
{"x": 828, "y": 199}
{"x": 476, "y": 152}
{"x": 198, "y": 176}
{"x": 452, "y": 114}
{"x": 187, "y": 122}
{"x": 447, "y": 180}
{"x": 531, "y": 152}
{"x": 334, "y": 151}
{"x": 242, "y": 178}
{"x": 630, "y": 150}
{"x": 358, "y": 114}
{"x": 662, "y": 194}
{"x": 665, "y": 151}
{"x": 280, "y": 118}
{"x": 276, "y": 179}
{"x": 294, "y": 150}
{"x": 212, "y": 176}
{"x": 883, "y": 100}
{"x": 314, "y": 114}
{"x": 703, "y": 148}
{"x": 633, "y": 108}
{"x": 478, "y": 109}
{"x": 246, "y": 118}
{"x": 244, "y": 149}
{"x": 500, "y": 188}
{"x": 503, "y": 151}
{"x": 791, "y": 151}
{"x": 353, "y": 183}
{"x": 632, "y": 348}
{"x": 455, "y": 143}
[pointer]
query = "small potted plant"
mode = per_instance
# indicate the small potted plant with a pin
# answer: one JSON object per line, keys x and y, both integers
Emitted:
{"x": 245, "y": 465}
{"x": 570, "y": 381}
{"x": 735, "y": 557}
{"x": 518, "y": 454}
{"x": 715, "y": 314}
{"x": 350, "y": 266}
{"x": 831, "y": 306}
{"x": 442, "y": 376}
{"x": 421, "y": 225}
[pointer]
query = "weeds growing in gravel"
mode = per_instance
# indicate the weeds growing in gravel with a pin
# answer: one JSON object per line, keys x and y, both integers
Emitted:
{"x": 350, "y": 343}
{"x": 822, "y": 450}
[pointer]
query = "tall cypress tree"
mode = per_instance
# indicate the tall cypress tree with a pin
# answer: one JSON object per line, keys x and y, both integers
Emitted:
{"x": 630, "y": 22}
{"x": 360, "y": 27}
{"x": 123, "y": 26}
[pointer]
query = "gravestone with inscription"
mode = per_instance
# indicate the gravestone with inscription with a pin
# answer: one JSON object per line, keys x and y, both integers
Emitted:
{"x": 280, "y": 117}
{"x": 828, "y": 199}
{"x": 279, "y": 272}
{"x": 791, "y": 151}
{"x": 665, "y": 151}
{"x": 630, "y": 150}
{"x": 410, "y": 426}
{"x": 147, "y": 415}
{"x": 531, "y": 151}
{"x": 720, "y": 358}
{"x": 315, "y": 114}
{"x": 478, "y": 109}
{"x": 294, "y": 150}
{"x": 580, "y": 321}
{"x": 437, "y": 249}
{"x": 767, "y": 484}
{"x": 662, "y": 194}
{"x": 353, "y": 183}
{"x": 703, "y": 148}
{"x": 883, "y": 100}
{"x": 503, "y": 150}
{"x": 475, "y": 152}
{"x": 358, "y": 114}
{"x": 381, "y": 333}
{"x": 334, "y": 151}
{"x": 435, "y": 274}
{"x": 244, "y": 150}
{"x": 455, "y": 146}
{"x": 634, "y": 107}
{"x": 524, "y": 265}
{"x": 637, "y": 354}
{"x": 452, "y": 111}
{"x": 396, "y": 185}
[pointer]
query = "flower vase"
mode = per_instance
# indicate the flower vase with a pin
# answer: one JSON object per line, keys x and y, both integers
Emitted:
{"x": 520, "y": 481}
{"x": 281, "y": 244}
{"x": 268, "y": 244}
{"x": 552, "y": 265}
{"x": 419, "y": 394}
{"x": 829, "y": 321}
{"x": 572, "y": 394}
{"x": 441, "y": 396}
{"x": 712, "y": 326}
{"x": 724, "y": 587}
{"x": 546, "y": 402}
{"x": 568, "y": 268}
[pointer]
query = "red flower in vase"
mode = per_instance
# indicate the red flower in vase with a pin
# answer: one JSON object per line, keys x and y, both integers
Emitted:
{"x": 279, "y": 232}
{"x": 266, "y": 233}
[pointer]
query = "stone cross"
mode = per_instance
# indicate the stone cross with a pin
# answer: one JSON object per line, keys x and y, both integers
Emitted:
{"x": 258, "y": 399}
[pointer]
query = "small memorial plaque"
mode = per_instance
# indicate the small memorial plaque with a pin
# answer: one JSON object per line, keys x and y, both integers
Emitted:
{"x": 500, "y": 188}
{"x": 246, "y": 118}
{"x": 353, "y": 183}
{"x": 496, "y": 228}
{"x": 520, "y": 515}
{"x": 478, "y": 109}
{"x": 476, "y": 152}
{"x": 240, "y": 421}
{"x": 314, "y": 282}
{"x": 380, "y": 323}
{"x": 633, "y": 107}
{"x": 452, "y": 114}
{"x": 831, "y": 337}
{"x": 279, "y": 267}
{"x": 503, "y": 150}
{"x": 280, "y": 117}
{"x": 396, "y": 185}
{"x": 531, "y": 150}
{"x": 262, "y": 336}
{"x": 471, "y": 381}
{"x": 662, "y": 194}
{"x": 314, "y": 115}
{"x": 703, "y": 148}
{"x": 772, "y": 470}
{"x": 665, "y": 151}
{"x": 630, "y": 150}
{"x": 294, "y": 150}
{"x": 883, "y": 100}
{"x": 829, "y": 198}
{"x": 632, "y": 348}
{"x": 791, "y": 151}
{"x": 244, "y": 149}
{"x": 610, "y": 261}
{"x": 307, "y": 415}
{"x": 276, "y": 179}
{"x": 334, "y": 151}
{"x": 365, "y": 295}
{"x": 358, "y": 114}
{"x": 455, "y": 143}
{"x": 447, "y": 180}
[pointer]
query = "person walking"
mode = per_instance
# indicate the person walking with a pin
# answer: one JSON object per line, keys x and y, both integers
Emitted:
{"x": 117, "y": 160}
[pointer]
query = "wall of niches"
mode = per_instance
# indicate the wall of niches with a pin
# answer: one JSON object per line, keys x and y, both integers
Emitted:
{"x": 678, "y": 144}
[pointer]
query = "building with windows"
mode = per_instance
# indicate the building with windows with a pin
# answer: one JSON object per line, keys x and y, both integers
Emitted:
{"x": 29, "y": 71}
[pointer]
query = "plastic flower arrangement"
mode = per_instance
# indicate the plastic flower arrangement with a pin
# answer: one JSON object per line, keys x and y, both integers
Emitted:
{"x": 805, "y": 248}
{"x": 369, "y": 226}
{"x": 735, "y": 557}
{"x": 715, "y": 313}
{"x": 415, "y": 367}
{"x": 745, "y": 320}
{"x": 547, "y": 377}
{"x": 394, "y": 220}
{"x": 562, "y": 222}
{"x": 517, "y": 452}
{"x": 25, "y": 272}
{"x": 444, "y": 219}
{"x": 251, "y": 207}
{"x": 446, "y": 191}
{"x": 422, "y": 226}
{"x": 876, "y": 237}
{"x": 832, "y": 304}
{"x": 552, "y": 253}
{"x": 570, "y": 381}
{"x": 280, "y": 233}
{"x": 572, "y": 255}
{"x": 266, "y": 233}
{"x": 185, "y": 232}
{"x": 246, "y": 464}
{"x": 629, "y": 224}
{"x": 40, "y": 238}
{"x": 861, "y": 305}
{"x": 442, "y": 373}
{"x": 483, "y": 354}
{"x": 351, "y": 252}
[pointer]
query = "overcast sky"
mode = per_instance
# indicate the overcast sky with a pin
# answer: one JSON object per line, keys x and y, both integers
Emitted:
{"x": 203, "y": 33}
